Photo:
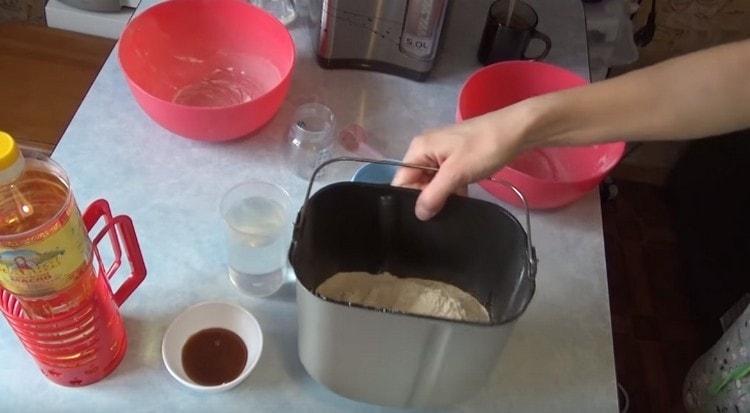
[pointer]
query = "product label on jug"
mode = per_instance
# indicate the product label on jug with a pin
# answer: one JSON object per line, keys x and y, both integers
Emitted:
{"x": 48, "y": 261}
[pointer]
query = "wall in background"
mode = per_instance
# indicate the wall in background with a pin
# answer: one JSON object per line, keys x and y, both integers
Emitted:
{"x": 682, "y": 26}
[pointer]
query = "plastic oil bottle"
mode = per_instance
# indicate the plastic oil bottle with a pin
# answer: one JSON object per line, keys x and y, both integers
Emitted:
{"x": 45, "y": 252}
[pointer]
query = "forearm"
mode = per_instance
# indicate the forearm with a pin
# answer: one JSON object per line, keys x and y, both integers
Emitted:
{"x": 697, "y": 95}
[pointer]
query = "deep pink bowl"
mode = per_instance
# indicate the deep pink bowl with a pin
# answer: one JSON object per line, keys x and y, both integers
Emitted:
{"x": 548, "y": 177}
{"x": 207, "y": 69}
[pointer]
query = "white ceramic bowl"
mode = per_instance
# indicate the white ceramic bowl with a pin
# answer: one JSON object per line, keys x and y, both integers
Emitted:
{"x": 211, "y": 315}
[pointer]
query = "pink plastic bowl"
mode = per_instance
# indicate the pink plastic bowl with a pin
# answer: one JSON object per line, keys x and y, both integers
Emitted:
{"x": 548, "y": 177}
{"x": 207, "y": 69}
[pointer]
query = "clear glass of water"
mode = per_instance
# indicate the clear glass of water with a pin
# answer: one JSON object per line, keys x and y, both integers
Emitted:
{"x": 282, "y": 9}
{"x": 258, "y": 221}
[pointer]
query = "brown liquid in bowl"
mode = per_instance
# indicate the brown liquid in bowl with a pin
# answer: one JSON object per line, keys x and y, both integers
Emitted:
{"x": 214, "y": 356}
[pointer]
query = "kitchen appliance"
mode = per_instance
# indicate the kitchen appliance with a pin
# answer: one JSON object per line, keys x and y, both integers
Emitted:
{"x": 399, "y": 37}
{"x": 84, "y": 345}
{"x": 101, "y": 5}
{"x": 397, "y": 359}
{"x": 109, "y": 24}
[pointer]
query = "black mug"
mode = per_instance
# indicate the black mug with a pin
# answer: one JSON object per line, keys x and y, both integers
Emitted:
{"x": 502, "y": 41}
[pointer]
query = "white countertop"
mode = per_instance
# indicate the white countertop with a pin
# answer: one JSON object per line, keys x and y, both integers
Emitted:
{"x": 559, "y": 358}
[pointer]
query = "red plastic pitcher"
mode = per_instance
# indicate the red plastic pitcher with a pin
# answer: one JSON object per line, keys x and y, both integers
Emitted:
{"x": 84, "y": 345}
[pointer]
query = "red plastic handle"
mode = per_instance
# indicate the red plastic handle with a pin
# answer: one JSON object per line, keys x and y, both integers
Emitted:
{"x": 120, "y": 227}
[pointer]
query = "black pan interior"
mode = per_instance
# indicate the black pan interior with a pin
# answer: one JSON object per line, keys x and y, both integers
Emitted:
{"x": 475, "y": 245}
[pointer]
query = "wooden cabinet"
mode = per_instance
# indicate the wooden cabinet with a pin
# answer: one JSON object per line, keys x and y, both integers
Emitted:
{"x": 45, "y": 73}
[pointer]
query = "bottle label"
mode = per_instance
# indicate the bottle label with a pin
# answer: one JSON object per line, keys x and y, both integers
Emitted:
{"x": 48, "y": 261}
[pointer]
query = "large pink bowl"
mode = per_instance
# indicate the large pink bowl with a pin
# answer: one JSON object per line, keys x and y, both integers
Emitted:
{"x": 207, "y": 69}
{"x": 548, "y": 177}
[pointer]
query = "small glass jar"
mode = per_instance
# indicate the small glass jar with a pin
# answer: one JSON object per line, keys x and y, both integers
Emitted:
{"x": 281, "y": 9}
{"x": 311, "y": 138}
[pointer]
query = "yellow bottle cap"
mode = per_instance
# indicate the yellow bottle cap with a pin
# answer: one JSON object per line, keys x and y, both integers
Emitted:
{"x": 9, "y": 151}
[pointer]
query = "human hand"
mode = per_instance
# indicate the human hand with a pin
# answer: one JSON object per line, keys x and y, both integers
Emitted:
{"x": 464, "y": 153}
